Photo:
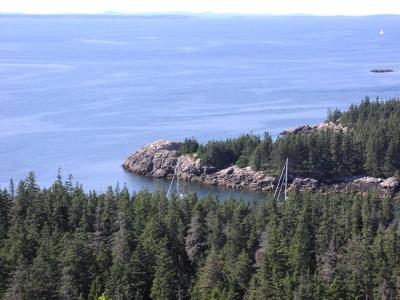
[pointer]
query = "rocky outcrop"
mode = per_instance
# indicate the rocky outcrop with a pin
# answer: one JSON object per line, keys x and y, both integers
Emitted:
{"x": 189, "y": 168}
{"x": 304, "y": 184}
{"x": 157, "y": 159}
{"x": 241, "y": 178}
{"x": 351, "y": 183}
{"x": 163, "y": 159}
{"x": 391, "y": 183}
{"x": 297, "y": 130}
{"x": 368, "y": 180}
{"x": 307, "y": 129}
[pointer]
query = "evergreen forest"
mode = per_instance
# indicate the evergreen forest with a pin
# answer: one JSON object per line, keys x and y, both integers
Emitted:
{"x": 367, "y": 142}
{"x": 61, "y": 242}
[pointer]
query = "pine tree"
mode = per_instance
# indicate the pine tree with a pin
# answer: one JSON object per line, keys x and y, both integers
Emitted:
{"x": 165, "y": 285}
{"x": 391, "y": 160}
{"x": 303, "y": 246}
{"x": 359, "y": 269}
{"x": 76, "y": 267}
{"x": 140, "y": 274}
{"x": 274, "y": 267}
{"x": 329, "y": 261}
{"x": 211, "y": 277}
{"x": 195, "y": 243}
{"x": 5, "y": 214}
{"x": 335, "y": 290}
{"x": 118, "y": 285}
{"x": 42, "y": 278}
{"x": 17, "y": 287}
{"x": 241, "y": 275}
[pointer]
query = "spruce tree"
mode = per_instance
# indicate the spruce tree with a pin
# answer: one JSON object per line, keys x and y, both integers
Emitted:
{"x": 165, "y": 283}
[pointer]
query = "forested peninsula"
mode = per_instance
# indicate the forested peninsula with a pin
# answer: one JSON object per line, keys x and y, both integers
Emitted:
{"x": 354, "y": 149}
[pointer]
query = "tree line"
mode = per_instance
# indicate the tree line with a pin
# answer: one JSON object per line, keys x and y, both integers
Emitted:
{"x": 369, "y": 145}
{"x": 64, "y": 243}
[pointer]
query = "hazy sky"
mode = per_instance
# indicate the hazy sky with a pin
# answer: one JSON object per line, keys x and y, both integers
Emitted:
{"x": 318, "y": 7}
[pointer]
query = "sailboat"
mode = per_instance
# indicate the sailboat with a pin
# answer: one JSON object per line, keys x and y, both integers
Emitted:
{"x": 178, "y": 192}
{"x": 282, "y": 182}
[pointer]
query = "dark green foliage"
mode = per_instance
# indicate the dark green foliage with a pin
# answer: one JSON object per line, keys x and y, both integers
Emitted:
{"x": 5, "y": 213}
{"x": 376, "y": 128}
{"x": 165, "y": 283}
{"x": 61, "y": 243}
{"x": 190, "y": 145}
{"x": 217, "y": 154}
{"x": 43, "y": 278}
{"x": 261, "y": 156}
{"x": 221, "y": 154}
{"x": 210, "y": 281}
{"x": 366, "y": 140}
{"x": 334, "y": 115}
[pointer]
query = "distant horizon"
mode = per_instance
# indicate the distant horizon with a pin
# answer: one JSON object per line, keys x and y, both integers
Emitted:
{"x": 187, "y": 13}
{"x": 221, "y": 7}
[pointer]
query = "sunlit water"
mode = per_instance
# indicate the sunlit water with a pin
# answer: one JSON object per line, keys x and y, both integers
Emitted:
{"x": 81, "y": 93}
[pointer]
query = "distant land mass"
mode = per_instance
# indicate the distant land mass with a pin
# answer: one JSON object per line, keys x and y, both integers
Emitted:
{"x": 191, "y": 14}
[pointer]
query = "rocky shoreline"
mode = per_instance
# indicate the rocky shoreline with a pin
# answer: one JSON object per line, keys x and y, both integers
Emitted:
{"x": 161, "y": 159}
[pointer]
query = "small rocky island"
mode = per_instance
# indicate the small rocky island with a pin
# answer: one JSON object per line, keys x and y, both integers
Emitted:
{"x": 162, "y": 159}
{"x": 382, "y": 71}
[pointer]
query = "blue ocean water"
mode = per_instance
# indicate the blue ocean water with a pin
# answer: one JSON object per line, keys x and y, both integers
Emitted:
{"x": 80, "y": 93}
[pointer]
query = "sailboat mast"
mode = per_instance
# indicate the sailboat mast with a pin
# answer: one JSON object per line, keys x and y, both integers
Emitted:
{"x": 177, "y": 184}
{"x": 286, "y": 176}
{"x": 283, "y": 182}
{"x": 280, "y": 183}
{"x": 170, "y": 185}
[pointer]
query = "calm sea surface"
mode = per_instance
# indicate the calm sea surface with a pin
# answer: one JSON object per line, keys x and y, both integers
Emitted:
{"x": 81, "y": 93}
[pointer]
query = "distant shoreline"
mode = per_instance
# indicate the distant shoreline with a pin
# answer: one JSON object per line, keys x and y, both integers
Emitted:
{"x": 190, "y": 15}
{"x": 162, "y": 159}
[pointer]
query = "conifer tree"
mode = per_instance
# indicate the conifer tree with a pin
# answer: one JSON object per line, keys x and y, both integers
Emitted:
{"x": 5, "y": 214}
{"x": 211, "y": 279}
{"x": 195, "y": 243}
{"x": 165, "y": 283}
{"x": 42, "y": 278}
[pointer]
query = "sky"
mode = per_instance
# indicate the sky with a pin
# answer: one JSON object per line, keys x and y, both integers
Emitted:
{"x": 277, "y": 7}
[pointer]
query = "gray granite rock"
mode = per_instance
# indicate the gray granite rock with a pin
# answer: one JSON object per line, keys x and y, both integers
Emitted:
{"x": 163, "y": 159}
{"x": 391, "y": 183}
{"x": 157, "y": 159}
